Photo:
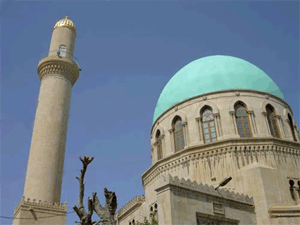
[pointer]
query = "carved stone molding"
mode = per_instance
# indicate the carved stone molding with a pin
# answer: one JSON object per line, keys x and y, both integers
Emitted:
{"x": 284, "y": 211}
{"x": 216, "y": 114}
{"x": 240, "y": 152}
{"x": 198, "y": 118}
{"x": 160, "y": 137}
{"x": 205, "y": 189}
{"x": 64, "y": 69}
{"x": 171, "y": 130}
{"x": 232, "y": 112}
{"x": 44, "y": 204}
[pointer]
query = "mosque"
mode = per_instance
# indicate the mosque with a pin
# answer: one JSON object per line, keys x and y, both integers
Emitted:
{"x": 225, "y": 146}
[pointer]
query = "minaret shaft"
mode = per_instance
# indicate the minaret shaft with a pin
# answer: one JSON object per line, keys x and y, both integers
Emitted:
{"x": 46, "y": 158}
{"x": 58, "y": 73}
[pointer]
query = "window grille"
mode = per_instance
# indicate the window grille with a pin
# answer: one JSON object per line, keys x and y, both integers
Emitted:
{"x": 242, "y": 120}
{"x": 272, "y": 121}
{"x": 208, "y": 126}
{"x": 178, "y": 134}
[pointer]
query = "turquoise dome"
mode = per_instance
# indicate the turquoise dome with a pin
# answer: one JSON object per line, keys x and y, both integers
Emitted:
{"x": 213, "y": 73}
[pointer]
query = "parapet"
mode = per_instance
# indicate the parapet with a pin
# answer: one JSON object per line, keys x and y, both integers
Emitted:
{"x": 137, "y": 200}
{"x": 206, "y": 189}
{"x": 44, "y": 204}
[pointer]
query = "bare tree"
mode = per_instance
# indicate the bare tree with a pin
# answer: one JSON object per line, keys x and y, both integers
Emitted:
{"x": 106, "y": 214}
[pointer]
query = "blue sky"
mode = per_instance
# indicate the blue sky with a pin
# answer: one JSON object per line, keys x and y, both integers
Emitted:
{"x": 128, "y": 50}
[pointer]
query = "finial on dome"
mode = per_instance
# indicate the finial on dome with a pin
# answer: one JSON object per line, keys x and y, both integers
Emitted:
{"x": 67, "y": 17}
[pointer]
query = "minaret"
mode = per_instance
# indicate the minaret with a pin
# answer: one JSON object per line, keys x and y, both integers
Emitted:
{"x": 58, "y": 72}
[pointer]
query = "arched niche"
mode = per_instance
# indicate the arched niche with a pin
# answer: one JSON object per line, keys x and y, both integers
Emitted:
{"x": 268, "y": 102}
{"x": 285, "y": 115}
{"x": 239, "y": 99}
{"x": 209, "y": 104}
{"x": 159, "y": 127}
{"x": 177, "y": 113}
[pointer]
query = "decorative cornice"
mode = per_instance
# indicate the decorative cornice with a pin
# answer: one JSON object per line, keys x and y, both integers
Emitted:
{"x": 206, "y": 189}
{"x": 220, "y": 147}
{"x": 171, "y": 130}
{"x": 64, "y": 67}
{"x": 136, "y": 201}
{"x": 264, "y": 113}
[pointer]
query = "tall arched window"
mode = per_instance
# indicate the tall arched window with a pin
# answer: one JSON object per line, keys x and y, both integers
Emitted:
{"x": 158, "y": 145}
{"x": 292, "y": 127}
{"x": 242, "y": 120}
{"x": 272, "y": 121}
{"x": 178, "y": 134}
{"x": 208, "y": 126}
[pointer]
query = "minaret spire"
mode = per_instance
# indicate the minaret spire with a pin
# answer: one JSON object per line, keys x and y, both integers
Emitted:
{"x": 58, "y": 72}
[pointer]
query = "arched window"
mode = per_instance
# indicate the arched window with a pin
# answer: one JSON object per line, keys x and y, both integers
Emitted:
{"x": 208, "y": 126}
{"x": 159, "y": 147}
{"x": 272, "y": 121}
{"x": 178, "y": 133}
{"x": 291, "y": 182}
{"x": 242, "y": 120}
{"x": 62, "y": 50}
{"x": 292, "y": 126}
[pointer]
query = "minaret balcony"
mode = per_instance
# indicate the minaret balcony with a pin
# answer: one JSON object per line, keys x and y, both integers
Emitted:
{"x": 56, "y": 55}
{"x": 59, "y": 62}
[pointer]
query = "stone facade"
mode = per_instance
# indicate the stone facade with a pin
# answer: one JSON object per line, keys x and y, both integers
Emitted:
{"x": 181, "y": 201}
{"x": 261, "y": 166}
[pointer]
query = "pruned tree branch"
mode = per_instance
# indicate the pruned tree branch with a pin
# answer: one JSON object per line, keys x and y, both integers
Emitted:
{"x": 106, "y": 214}
{"x": 85, "y": 217}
